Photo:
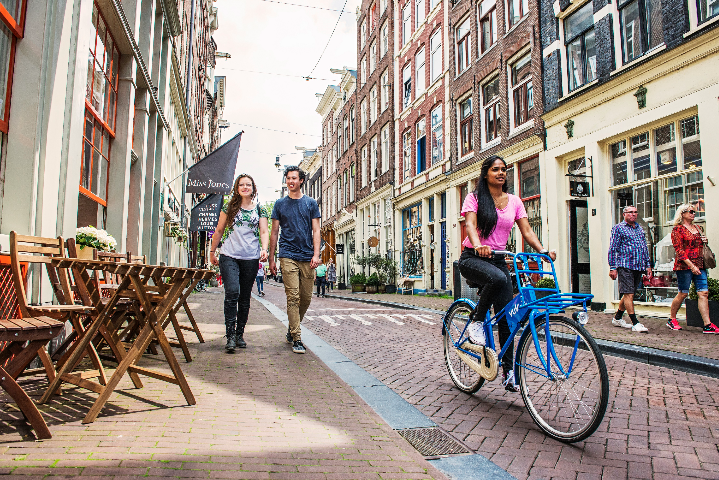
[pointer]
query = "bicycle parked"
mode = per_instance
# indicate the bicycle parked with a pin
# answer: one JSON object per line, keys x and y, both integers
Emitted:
{"x": 560, "y": 370}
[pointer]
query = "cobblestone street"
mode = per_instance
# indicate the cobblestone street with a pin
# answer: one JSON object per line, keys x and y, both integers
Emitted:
{"x": 660, "y": 423}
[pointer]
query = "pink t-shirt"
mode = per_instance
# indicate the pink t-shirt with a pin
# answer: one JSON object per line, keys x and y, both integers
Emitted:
{"x": 505, "y": 220}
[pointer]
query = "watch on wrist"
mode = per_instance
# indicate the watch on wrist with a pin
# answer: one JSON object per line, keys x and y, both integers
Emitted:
{"x": 544, "y": 251}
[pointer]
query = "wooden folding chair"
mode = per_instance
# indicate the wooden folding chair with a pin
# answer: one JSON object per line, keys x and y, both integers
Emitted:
{"x": 39, "y": 250}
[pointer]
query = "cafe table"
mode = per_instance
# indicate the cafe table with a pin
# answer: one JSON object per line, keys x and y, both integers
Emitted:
{"x": 155, "y": 290}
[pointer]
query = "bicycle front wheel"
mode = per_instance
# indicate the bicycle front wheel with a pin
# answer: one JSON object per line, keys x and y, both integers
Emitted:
{"x": 567, "y": 400}
{"x": 462, "y": 376}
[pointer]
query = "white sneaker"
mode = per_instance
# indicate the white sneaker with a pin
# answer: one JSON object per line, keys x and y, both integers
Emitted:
{"x": 621, "y": 323}
{"x": 639, "y": 328}
{"x": 476, "y": 333}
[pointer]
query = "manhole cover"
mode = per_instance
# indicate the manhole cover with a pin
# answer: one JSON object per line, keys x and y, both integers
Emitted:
{"x": 432, "y": 441}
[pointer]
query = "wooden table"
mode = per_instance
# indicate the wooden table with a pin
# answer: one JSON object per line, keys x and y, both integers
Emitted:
{"x": 154, "y": 302}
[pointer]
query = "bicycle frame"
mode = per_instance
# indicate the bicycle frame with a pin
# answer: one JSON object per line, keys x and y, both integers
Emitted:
{"x": 526, "y": 307}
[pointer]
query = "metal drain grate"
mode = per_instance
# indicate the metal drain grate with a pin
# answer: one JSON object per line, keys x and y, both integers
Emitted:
{"x": 432, "y": 441}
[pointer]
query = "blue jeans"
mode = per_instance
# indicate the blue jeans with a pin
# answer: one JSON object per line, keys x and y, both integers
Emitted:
{"x": 685, "y": 277}
{"x": 260, "y": 283}
{"x": 237, "y": 277}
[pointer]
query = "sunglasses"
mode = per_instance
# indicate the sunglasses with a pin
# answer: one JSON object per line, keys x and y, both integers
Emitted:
{"x": 691, "y": 212}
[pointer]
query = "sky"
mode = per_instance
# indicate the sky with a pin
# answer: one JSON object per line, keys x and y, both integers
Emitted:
{"x": 278, "y": 37}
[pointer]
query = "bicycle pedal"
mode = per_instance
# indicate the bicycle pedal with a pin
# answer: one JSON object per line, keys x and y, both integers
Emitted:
{"x": 488, "y": 368}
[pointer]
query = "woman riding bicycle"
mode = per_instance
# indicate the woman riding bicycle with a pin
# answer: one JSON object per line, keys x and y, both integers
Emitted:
{"x": 490, "y": 213}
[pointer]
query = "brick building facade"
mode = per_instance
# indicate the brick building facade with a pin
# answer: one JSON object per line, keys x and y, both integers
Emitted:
{"x": 627, "y": 86}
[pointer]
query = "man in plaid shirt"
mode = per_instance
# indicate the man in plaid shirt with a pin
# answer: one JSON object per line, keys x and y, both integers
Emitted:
{"x": 628, "y": 261}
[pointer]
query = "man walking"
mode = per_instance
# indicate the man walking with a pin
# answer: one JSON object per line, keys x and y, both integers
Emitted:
{"x": 299, "y": 218}
{"x": 628, "y": 261}
{"x": 321, "y": 273}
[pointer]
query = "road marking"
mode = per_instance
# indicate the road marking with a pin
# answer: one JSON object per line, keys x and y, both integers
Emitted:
{"x": 329, "y": 320}
{"x": 419, "y": 317}
{"x": 359, "y": 319}
{"x": 384, "y": 315}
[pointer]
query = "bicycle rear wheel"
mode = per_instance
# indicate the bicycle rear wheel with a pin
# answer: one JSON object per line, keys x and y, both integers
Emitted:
{"x": 463, "y": 377}
{"x": 569, "y": 403}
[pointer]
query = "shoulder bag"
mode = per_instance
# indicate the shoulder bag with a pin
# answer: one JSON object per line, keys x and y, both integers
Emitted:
{"x": 710, "y": 260}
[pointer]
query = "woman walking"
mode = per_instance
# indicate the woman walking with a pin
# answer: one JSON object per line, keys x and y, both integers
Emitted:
{"x": 331, "y": 274}
{"x": 243, "y": 225}
{"x": 260, "y": 279}
{"x": 688, "y": 241}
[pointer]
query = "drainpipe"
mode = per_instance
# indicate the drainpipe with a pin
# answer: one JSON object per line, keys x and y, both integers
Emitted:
{"x": 187, "y": 104}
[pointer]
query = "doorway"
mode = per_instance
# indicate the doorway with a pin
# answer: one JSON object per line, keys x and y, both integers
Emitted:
{"x": 579, "y": 246}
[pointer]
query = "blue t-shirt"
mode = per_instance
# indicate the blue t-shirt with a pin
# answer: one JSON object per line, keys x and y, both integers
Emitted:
{"x": 295, "y": 216}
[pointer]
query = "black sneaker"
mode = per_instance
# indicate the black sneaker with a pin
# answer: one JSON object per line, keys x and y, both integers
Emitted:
{"x": 288, "y": 336}
{"x": 240, "y": 342}
{"x": 298, "y": 347}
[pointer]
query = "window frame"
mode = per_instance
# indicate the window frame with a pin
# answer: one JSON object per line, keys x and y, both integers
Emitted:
{"x": 420, "y": 12}
{"x": 17, "y": 32}
{"x": 421, "y": 133}
{"x": 373, "y": 154}
{"x": 582, "y": 35}
{"x": 384, "y": 39}
{"x": 384, "y": 90}
{"x": 373, "y": 104}
{"x": 463, "y": 43}
{"x": 407, "y": 154}
{"x": 363, "y": 116}
{"x": 372, "y": 56}
{"x": 521, "y": 90}
{"x": 385, "y": 148}
{"x": 523, "y": 11}
{"x": 491, "y": 16}
{"x": 435, "y": 48}
{"x": 437, "y": 135}
{"x": 352, "y": 124}
{"x": 406, "y": 86}
{"x": 644, "y": 29}
{"x": 363, "y": 33}
{"x": 406, "y": 19}
{"x": 466, "y": 145}
{"x": 493, "y": 106}
{"x": 420, "y": 72}
{"x": 363, "y": 167}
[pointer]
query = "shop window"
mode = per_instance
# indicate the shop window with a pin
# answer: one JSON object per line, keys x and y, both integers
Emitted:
{"x": 642, "y": 30}
{"x": 464, "y": 48}
{"x": 516, "y": 10}
{"x": 530, "y": 195}
{"x": 522, "y": 93}
{"x": 492, "y": 119}
{"x": 657, "y": 189}
{"x": 12, "y": 27}
{"x": 437, "y": 135}
{"x": 412, "y": 262}
{"x": 580, "y": 44}
{"x": 100, "y": 109}
{"x": 421, "y": 145}
{"x": 407, "y": 154}
{"x": 487, "y": 24}
{"x": 707, "y": 9}
{"x": 465, "y": 126}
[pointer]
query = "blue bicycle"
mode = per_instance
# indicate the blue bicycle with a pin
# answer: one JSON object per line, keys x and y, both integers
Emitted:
{"x": 558, "y": 366}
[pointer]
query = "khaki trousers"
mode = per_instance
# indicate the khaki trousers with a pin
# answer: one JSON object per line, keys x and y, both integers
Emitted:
{"x": 298, "y": 278}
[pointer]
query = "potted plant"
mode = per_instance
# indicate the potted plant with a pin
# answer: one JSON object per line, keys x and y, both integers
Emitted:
{"x": 389, "y": 268}
{"x": 372, "y": 283}
{"x": 90, "y": 238}
{"x": 545, "y": 282}
{"x": 382, "y": 286}
{"x": 694, "y": 318}
{"x": 179, "y": 233}
{"x": 358, "y": 281}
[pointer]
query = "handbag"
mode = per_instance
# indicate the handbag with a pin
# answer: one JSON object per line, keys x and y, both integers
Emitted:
{"x": 710, "y": 260}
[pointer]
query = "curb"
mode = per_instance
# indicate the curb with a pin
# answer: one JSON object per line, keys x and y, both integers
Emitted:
{"x": 707, "y": 367}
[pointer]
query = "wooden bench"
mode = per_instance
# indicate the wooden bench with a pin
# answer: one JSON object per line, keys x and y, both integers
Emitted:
{"x": 15, "y": 356}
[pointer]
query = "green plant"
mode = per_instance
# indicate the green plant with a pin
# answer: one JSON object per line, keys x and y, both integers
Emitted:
{"x": 545, "y": 282}
{"x": 358, "y": 279}
{"x": 373, "y": 279}
{"x": 713, "y": 290}
{"x": 179, "y": 233}
{"x": 95, "y": 238}
{"x": 390, "y": 269}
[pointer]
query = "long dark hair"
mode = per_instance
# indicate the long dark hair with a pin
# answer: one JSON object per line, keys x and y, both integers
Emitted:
{"x": 486, "y": 209}
{"x": 236, "y": 201}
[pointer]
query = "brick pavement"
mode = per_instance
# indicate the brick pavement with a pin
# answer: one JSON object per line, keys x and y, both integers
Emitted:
{"x": 263, "y": 413}
{"x": 660, "y": 423}
{"x": 690, "y": 340}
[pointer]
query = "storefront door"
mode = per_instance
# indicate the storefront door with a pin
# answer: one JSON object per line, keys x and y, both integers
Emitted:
{"x": 443, "y": 239}
{"x": 579, "y": 246}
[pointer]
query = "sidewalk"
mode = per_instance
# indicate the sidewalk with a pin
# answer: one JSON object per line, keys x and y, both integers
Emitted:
{"x": 262, "y": 413}
{"x": 689, "y": 341}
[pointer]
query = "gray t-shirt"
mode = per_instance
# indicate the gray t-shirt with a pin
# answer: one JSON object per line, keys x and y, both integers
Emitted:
{"x": 243, "y": 235}
{"x": 295, "y": 216}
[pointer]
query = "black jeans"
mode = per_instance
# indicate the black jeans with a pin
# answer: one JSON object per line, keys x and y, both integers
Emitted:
{"x": 496, "y": 284}
{"x": 321, "y": 284}
{"x": 238, "y": 277}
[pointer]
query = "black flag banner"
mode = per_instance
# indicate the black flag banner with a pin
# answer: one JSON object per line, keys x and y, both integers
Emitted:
{"x": 205, "y": 214}
{"x": 216, "y": 172}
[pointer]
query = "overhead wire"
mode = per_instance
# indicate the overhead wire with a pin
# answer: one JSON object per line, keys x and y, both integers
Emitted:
{"x": 273, "y": 130}
{"x": 308, "y": 77}
{"x": 308, "y": 6}
{"x": 277, "y": 74}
